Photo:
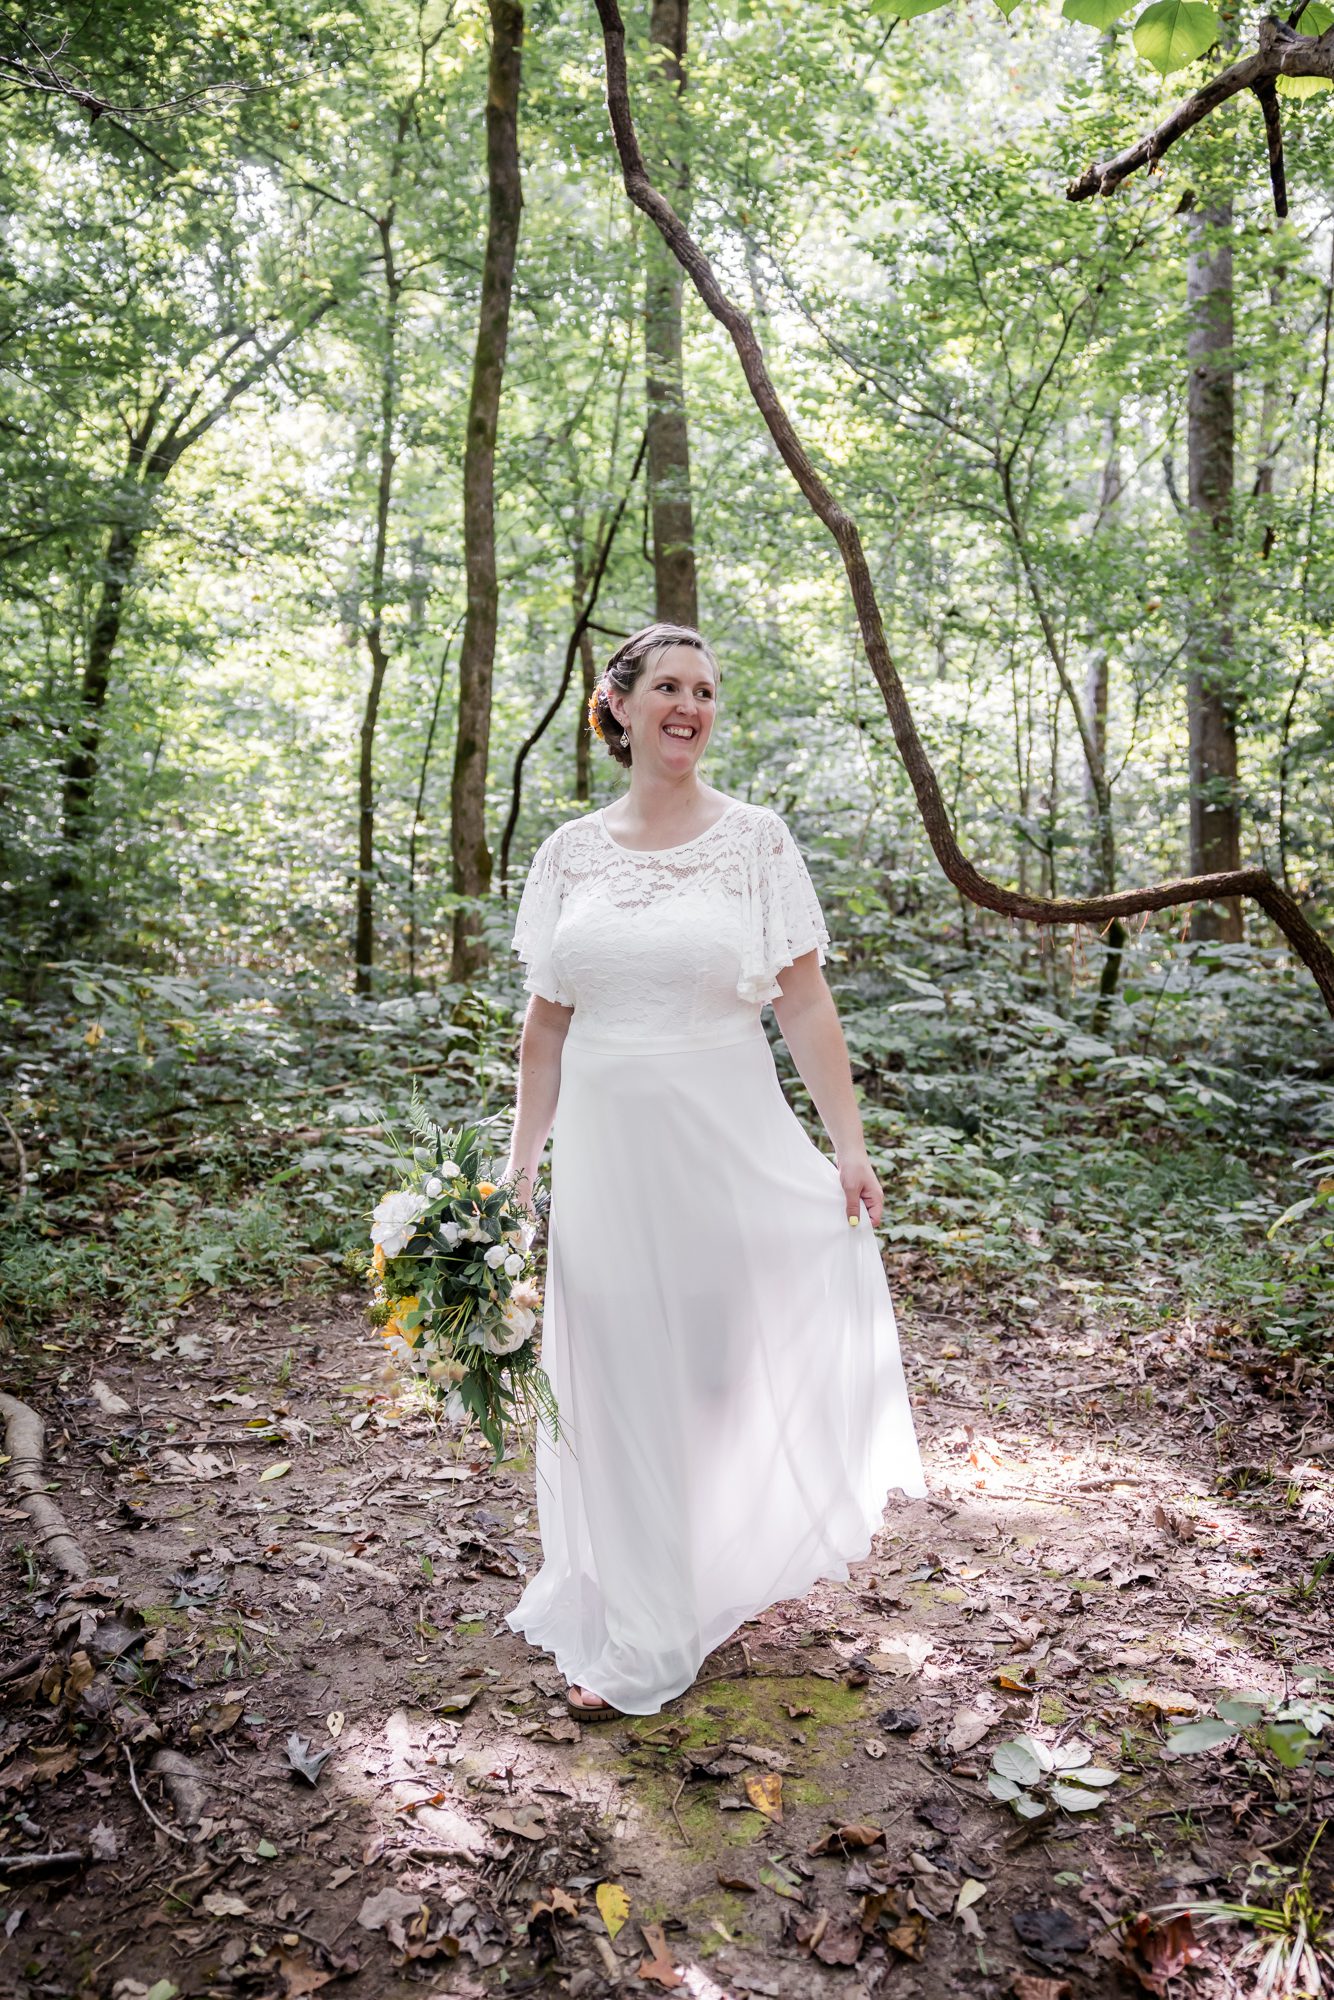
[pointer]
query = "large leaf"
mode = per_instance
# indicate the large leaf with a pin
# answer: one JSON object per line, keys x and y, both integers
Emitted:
{"x": 1195, "y": 1736}
{"x": 1098, "y": 14}
{"x": 1076, "y": 1798}
{"x": 1171, "y": 33}
{"x": 1016, "y": 1761}
{"x": 907, "y": 10}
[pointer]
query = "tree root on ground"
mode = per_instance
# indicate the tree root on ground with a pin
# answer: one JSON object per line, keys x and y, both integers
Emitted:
{"x": 23, "y": 1442}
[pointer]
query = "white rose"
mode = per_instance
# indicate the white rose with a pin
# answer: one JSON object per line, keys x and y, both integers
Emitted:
{"x": 434, "y": 1187}
{"x": 475, "y": 1235}
{"x": 513, "y": 1265}
{"x": 495, "y": 1256}
{"x": 455, "y": 1407}
{"x": 504, "y": 1336}
{"x": 450, "y": 1233}
{"x": 450, "y": 1169}
{"x": 395, "y": 1219}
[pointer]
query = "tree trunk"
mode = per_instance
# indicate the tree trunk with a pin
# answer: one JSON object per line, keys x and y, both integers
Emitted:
{"x": 1095, "y": 703}
{"x": 470, "y": 855}
{"x": 1215, "y": 819}
{"x": 80, "y": 773}
{"x": 364, "y": 949}
{"x": 588, "y": 673}
{"x": 675, "y": 594}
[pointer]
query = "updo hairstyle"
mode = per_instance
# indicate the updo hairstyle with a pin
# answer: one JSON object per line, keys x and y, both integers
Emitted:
{"x": 641, "y": 651}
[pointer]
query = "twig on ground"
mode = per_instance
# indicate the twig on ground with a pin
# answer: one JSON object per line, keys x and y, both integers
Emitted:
{"x": 676, "y": 1815}
{"x": 170, "y": 1831}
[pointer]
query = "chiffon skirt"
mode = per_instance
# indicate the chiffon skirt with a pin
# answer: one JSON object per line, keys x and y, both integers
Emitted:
{"x": 723, "y": 1351}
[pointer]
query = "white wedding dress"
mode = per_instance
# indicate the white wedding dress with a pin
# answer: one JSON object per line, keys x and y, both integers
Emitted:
{"x": 721, "y": 1343}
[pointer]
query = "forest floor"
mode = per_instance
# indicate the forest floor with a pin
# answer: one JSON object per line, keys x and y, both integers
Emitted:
{"x": 286, "y": 1741}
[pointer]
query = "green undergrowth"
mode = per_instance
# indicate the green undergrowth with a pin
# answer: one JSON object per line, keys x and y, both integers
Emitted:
{"x": 226, "y": 1133}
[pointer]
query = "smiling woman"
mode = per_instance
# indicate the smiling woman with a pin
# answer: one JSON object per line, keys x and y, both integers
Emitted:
{"x": 721, "y": 1344}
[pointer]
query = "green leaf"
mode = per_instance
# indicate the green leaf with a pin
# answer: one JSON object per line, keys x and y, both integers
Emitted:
{"x": 1242, "y": 1710}
{"x": 1007, "y": 7}
{"x": 1001, "y": 1788}
{"x": 1298, "y": 87}
{"x": 907, "y": 10}
{"x": 1071, "y": 1755}
{"x": 1096, "y": 13}
{"x": 1095, "y": 1775}
{"x": 1028, "y": 1807}
{"x": 1016, "y": 1761}
{"x": 1171, "y": 33}
{"x": 1075, "y": 1798}
{"x": 1288, "y": 1741}
{"x": 1194, "y": 1736}
{"x": 1037, "y": 1750}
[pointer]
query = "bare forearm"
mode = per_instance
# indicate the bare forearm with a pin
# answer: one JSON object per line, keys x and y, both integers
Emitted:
{"x": 811, "y": 1028}
{"x": 538, "y": 1085}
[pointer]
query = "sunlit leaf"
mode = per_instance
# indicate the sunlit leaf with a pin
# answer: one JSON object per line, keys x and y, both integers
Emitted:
{"x": 1172, "y": 33}
{"x": 613, "y": 1905}
{"x": 1098, "y": 14}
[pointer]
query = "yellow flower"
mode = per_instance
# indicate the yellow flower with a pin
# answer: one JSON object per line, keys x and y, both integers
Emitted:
{"x": 401, "y": 1308}
{"x": 377, "y": 1260}
{"x": 485, "y": 1188}
{"x": 94, "y": 1034}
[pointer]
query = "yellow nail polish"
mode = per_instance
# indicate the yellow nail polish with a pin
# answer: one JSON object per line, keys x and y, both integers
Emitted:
{"x": 853, "y": 1220}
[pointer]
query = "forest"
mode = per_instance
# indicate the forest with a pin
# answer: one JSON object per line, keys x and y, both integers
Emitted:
{"x": 963, "y": 372}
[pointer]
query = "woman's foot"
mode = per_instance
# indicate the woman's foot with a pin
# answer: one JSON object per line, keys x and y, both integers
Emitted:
{"x": 582, "y": 1701}
{"x": 583, "y": 1697}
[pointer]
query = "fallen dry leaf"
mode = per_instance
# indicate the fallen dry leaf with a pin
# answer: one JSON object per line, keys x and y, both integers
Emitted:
{"x": 848, "y": 1839}
{"x": 1028, "y": 1986}
{"x": 389, "y": 1912}
{"x": 1155, "y": 1953}
{"x": 526, "y": 1821}
{"x": 219, "y": 1903}
{"x": 764, "y": 1789}
{"x": 658, "y": 1965}
{"x": 613, "y": 1905}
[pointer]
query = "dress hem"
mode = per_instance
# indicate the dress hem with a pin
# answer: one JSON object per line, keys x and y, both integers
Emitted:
{"x": 834, "y": 1571}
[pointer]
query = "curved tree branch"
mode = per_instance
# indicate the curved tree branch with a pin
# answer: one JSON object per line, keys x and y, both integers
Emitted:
{"x": 1098, "y": 910}
{"x": 1279, "y": 51}
{"x": 581, "y": 625}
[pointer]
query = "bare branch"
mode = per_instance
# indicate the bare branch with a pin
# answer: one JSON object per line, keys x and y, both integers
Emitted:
{"x": 1097, "y": 910}
{"x": 1280, "y": 51}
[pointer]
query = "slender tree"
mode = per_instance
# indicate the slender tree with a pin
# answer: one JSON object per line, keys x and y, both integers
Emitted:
{"x": 470, "y": 854}
{"x": 674, "y": 584}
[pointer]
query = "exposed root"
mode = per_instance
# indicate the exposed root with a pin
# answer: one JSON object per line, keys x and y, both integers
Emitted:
{"x": 27, "y": 1469}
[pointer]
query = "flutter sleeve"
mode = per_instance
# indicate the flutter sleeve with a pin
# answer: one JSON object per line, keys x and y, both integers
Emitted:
{"x": 535, "y": 924}
{"x": 782, "y": 918}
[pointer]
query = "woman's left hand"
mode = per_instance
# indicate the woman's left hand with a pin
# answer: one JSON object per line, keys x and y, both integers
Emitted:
{"x": 860, "y": 1185}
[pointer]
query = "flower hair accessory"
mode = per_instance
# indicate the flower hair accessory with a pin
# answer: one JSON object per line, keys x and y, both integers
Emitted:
{"x": 593, "y": 722}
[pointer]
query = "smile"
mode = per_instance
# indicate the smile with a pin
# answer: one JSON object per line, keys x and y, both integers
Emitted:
{"x": 678, "y": 729}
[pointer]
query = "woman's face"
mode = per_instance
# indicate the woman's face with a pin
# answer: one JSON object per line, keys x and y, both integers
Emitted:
{"x": 670, "y": 711}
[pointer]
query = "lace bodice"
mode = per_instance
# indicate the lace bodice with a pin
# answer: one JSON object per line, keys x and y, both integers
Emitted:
{"x": 669, "y": 948}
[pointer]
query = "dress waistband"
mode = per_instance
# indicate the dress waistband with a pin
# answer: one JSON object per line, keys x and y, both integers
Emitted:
{"x": 725, "y": 1035}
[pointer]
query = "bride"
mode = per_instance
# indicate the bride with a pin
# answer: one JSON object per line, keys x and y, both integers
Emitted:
{"x": 717, "y": 1327}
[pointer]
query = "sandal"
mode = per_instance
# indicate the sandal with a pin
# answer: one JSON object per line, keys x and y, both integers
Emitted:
{"x": 597, "y": 1711}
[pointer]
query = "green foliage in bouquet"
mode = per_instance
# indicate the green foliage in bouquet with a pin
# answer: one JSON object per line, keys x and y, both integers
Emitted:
{"x": 454, "y": 1286}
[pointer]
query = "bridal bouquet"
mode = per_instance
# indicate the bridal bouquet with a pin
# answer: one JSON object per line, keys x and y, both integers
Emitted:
{"x": 453, "y": 1284}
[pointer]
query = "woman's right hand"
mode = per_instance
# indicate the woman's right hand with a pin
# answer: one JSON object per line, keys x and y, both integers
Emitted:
{"x": 523, "y": 1189}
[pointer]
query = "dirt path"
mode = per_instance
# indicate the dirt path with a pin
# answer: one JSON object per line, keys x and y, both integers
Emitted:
{"x": 291, "y": 1568}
